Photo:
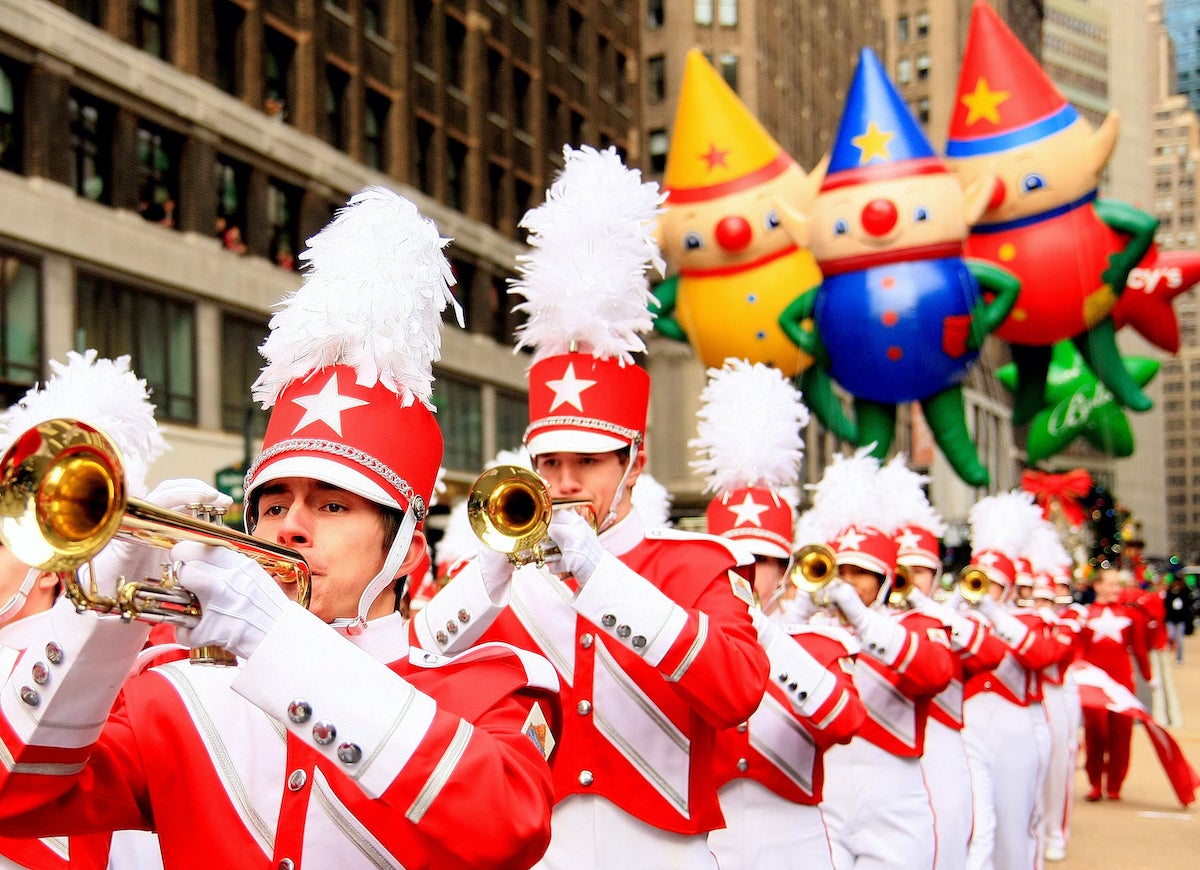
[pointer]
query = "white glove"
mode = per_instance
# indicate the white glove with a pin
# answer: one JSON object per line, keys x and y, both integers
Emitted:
{"x": 581, "y": 549}
{"x": 798, "y": 610}
{"x": 495, "y": 570}
{"x": 179, "y": 492}
{"x": 239, "y": 601}
{"x": 846, "y": 598}
{"x": 767, "y": 630}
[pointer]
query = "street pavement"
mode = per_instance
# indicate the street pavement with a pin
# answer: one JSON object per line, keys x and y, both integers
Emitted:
{"x": 1146, "y": 829}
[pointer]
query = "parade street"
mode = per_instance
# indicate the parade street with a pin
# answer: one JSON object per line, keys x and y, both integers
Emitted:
{"x": 1147, "y": 829}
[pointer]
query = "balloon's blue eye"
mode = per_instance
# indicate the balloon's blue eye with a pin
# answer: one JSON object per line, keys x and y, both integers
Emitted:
{"x": 840, "y": 227}
{"x": 1032, "y": 182}
{"x": 772, "y": 219}
{"x": 692, "y": 242}
{"x": 920, "y": 213}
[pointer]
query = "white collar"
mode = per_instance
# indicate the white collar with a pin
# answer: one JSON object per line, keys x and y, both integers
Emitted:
{"x": 386, "y": 638}
{"x": 624, "y": 535}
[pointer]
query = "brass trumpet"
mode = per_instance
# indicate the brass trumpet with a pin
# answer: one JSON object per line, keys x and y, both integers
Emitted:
{"x": 62, "y": 499}
{"x": 902, "y": 587}
{"x": 510, "y": 508}
{"x": 972, "y": 584}
{"x": 813, "y": 567}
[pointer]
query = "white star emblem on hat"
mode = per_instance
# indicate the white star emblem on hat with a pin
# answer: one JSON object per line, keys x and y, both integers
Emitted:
{"x": 326, "y": 406}
{"x": 851, "y": 539}
{"x": 568, "y": 389}
{"x": 909, "y": 540}
{"x": 988, "y": 560}
{"x": 749, "y": 511}
{"x": 1108, "y": 625}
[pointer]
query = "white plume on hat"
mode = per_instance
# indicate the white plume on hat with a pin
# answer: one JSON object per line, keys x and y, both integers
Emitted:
{"x": 376, "y": 282}
{"x": 1002, "y": 522}
{"x": 904, "y": 491}
{"x": 1044, "y": 549}
{"x": 592, "y": 241}
{"x": 847, "y": 495}
{"x": 652, "y": 501}
{"x": 100, "y": 392}
{"x": 749, "y": 429}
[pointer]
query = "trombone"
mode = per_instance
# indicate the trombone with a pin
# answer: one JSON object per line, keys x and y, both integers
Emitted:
{"x": 813, "y": 567}
{"x": 509, "y": 508}
{"x": 63, "y": 499}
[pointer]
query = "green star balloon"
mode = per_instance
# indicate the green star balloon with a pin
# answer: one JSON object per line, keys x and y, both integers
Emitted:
{"x": 1075, "y": 404}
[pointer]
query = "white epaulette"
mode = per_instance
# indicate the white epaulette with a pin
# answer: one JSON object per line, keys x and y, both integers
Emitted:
{"x": 539, "y": 673}
{"x": 738, "y": 551}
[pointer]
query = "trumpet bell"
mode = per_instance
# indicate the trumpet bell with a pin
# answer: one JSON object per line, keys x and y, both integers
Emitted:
{"x": 813, "y": 567}
{"x": 972, "y": 584}
{"x": 509, "y": 508}
{"x": 902, "y": 587}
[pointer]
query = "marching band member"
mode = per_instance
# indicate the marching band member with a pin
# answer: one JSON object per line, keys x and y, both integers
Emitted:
{"x": 769, "y": 769}
{"x": 1001, "y": 747}
{"x": 288, "y": 764}
{"x": 1110, "y": 635}
{"x": 649, "y": 629}
{"x": 976, "y": 650}
{"x": 876, "y": 804}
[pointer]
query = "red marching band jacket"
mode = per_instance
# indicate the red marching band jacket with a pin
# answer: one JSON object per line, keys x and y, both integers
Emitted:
{"x": 1015, "y": 678}
{"x": 655, "y": 654}
{"x": 781, "y": 746}
{"x": 898, "y": 695}
{"x": 976, "y": 651}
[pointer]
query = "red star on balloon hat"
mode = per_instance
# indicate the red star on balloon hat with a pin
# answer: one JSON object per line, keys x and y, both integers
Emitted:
{"x": 920, "y": 527}
{"x": 999, "y": 526}
{"x": 850, "y": 516}
{"x": 748, "y": 435}
{"x": 587, "y": 300}
{"x": 349, "y": 370}
{"x": 103, "y": 393}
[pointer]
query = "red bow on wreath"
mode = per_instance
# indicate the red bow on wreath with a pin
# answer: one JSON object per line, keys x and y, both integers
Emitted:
{"x": 1063, "y": 490}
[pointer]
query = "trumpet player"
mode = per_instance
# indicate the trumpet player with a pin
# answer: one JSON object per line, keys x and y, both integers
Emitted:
{"x": 770, "y": 768}
{"x": 332, "y": 743}
{"x": 650, "y": 629}
{"x": 876, "y": 803}
{"x": 974, "y": 648}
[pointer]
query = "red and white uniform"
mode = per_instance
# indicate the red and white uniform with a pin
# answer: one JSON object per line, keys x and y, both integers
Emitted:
{"x": 944, "y": 762}
{"x": 770, "y": 770}
{"x": 1112, "y": 639}
{"x": 876, "y": 803}
{"x": 1003, "y": 747}
{"x": 656, "y": 654}
{"x": 313, "y": 753}
{"x": 1060, "y": 701}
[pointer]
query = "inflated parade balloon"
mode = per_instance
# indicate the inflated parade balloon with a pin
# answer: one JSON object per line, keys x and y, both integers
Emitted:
{"x": 1076, "y": 405}
{"x": 900, "y": 315}
{"x": 1152, "y": 286}
{"x": 1071, "y": 250}
{"x": 733, "y": 231}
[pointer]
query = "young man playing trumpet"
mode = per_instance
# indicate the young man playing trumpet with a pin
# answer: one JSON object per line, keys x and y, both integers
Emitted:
{"x": 333, "y": 743}
{"x": 649, "y": 629}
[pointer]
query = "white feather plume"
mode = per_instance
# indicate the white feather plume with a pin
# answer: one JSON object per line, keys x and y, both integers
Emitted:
{"x": 1001, "y": 522}
{"x": 591, "y": 244}
{"x": 518, "y": 456}
{"x": 103, "y": 393}
{"x": 904, "y": 489}
{"x": 848, "y": 494}
{"x": 1044, "y": 549}
{"x": 652, "y": 501}
{"x": 375, "y": 284}
{"x": 749, "y": 428}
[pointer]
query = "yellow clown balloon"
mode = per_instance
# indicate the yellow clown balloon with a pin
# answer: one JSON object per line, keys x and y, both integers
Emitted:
{"x": 733, "y": 231}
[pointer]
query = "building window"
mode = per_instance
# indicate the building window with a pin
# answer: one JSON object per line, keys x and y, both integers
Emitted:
{"x": 512, "y": 415}
{"x": 922, "y": 25}
{"x": 727, "y": 13}
{"x": 231, "y": 179}
{"x": 91, "y": 11}
{"x": 375, "y": 128}
{"x": 150, "y": 26}
{"x": 902, "y": 29}
{"x": 374, "y": 13}
{"x": 622, "y": 95}
{"x": 655, "y": 14}
{"x": 923, "y": 110}
{"x": 91, "y": 144}
{"x": 456, "y": 174}
{"x": 577, "y": 123}
{"x": 729, "y": 70}
{"x": 521, "y": 96}
{"x": 704, "y": 12}
{"x": 158, "y": 333}
{"x": 10, "y": 118}
{"x": 158, "y": 174}
{"x": 277, "y": 73}
{"x": 495, "y": 194}
{"x": 460, "y": 417}
{"x": 229, "y": 18}
{"x": 423, "y": 33}
{"x": 576, "y": 30}
{"x": 903, "y": 71}
{"x": 659, "y": 144}
{"x": 424, "y": 156}
{"x": 20, "y": 326}
{"x": 923, "y": 67}
{"x": 657, "y": 78}
{"x": 336, "y": 82}
{"x": 240, "y": 365}
{"x": 283, "y": 216}
{"x": 456, "y": 44}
